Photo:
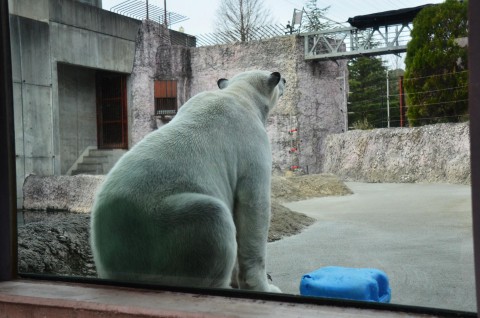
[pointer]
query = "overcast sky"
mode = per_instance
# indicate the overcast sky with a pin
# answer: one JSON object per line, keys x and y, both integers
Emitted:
{"x": 201, "y": 14}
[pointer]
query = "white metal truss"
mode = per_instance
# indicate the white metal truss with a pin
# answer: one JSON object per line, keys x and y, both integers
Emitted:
{"x": 350, "y": 42}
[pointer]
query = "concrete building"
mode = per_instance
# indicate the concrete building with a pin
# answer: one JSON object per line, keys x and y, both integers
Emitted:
{"x": 86, "y": 79}
{"x": 66, "y": 56}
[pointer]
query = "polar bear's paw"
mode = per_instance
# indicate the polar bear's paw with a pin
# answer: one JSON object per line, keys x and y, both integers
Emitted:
{"x": 273, "y": 289}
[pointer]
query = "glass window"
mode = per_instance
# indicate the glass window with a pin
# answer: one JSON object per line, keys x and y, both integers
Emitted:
{"x": 384, "y": 201}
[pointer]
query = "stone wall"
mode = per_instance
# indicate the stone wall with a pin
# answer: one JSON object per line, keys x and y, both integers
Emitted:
{"x": 313, "y": 103}
{"x": 435, "y": 153}
{"x": 155, "y": 59}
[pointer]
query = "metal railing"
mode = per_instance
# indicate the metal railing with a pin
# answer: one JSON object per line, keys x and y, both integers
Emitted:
{"x": 352, "y": 42}
{"x": 227, "y": 37}
{"x": 141, "y": 10}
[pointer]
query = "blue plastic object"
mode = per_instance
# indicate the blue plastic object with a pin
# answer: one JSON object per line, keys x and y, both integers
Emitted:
{"x": 365, "y": 284}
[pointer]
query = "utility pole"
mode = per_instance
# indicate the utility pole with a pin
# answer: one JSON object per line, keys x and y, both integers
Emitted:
{"x": 388, "y": 102}
{"x": 402, "y": 100}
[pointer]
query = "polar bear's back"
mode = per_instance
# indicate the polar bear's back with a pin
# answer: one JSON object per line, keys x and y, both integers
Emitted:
{"x": 198, "y": 152}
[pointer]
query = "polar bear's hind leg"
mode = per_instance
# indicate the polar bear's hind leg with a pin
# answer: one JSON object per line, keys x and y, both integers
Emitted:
{"x": 188, "y": 240}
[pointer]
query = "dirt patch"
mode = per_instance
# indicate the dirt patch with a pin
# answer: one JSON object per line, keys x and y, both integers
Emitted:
{"x": 296, "y": 188}
{"x": 286, "y": 222}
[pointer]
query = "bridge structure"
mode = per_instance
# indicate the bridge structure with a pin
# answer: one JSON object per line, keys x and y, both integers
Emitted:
{"x": 373, "y": 34}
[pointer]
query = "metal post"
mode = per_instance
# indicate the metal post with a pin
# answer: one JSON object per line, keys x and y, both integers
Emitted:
{"x": 345, "y": 99}
{"x": 147, "y": 10}
{"x": 388, "y": 102}
{"x": 473, "y": 102}
{"x": 165, "y": 13}
{"x": 402, "y": 100}
{"x": 8, "y": 217}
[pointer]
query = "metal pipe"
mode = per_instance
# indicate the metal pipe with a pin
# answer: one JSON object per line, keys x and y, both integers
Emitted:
{"x": 473, "y": 102}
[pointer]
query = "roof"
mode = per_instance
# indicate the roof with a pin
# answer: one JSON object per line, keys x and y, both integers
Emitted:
{"x": 392, "y": 17}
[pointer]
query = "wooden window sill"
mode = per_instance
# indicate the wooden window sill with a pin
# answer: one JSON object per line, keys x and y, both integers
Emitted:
{"x": 26, "y": 298}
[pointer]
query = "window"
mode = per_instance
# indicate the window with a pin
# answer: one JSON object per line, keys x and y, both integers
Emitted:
{"x": 165, "y": 93}
{"x": 165, "y": 97}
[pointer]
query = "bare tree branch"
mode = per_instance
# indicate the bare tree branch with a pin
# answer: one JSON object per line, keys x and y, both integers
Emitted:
{"x": 239, "y": 18}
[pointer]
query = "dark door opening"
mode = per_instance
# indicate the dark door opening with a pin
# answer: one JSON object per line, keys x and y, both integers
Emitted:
{"x": 112, "y": 120}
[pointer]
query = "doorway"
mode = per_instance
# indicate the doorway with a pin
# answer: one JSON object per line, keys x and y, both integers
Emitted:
{"x": 112, "y": 118}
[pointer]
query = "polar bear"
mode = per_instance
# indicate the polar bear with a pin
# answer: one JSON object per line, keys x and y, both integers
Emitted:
{"x": 189, "y": 205}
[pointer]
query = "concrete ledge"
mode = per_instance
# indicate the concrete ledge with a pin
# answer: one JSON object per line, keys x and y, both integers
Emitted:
{"x": 50, "y": 299}
{"x": 65, "y": 193}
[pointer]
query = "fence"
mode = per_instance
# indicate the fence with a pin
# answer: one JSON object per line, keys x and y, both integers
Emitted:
{"x": 374, "y": 111}
{"x": 141, "y": 10}
{"x": 227, "y": 37}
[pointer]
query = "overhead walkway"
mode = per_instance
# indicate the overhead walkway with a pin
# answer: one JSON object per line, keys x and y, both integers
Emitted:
{"x": 373, "y": 34}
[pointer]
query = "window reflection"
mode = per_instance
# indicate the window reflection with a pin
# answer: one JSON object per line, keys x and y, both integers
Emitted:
{"x": 419, "y": 234}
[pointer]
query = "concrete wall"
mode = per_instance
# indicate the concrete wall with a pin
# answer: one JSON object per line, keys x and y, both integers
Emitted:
{"x": 88, "y": 36}
{"x": 77, "y": 112}
{"x": 45, "y": 33}
{"x": 32, "y": 85}
{"x": 435, "y": 153}
{"x": 97, "y": 3}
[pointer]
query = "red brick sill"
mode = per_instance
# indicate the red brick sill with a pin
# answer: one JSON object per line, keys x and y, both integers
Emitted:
{"x": 25, "y": 298}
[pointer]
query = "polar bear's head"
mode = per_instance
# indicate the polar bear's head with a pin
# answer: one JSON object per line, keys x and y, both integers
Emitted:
{"x": 269, "y": 85}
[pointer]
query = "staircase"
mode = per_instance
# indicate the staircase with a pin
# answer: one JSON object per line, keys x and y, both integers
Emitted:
{"x": 98, "y": 161}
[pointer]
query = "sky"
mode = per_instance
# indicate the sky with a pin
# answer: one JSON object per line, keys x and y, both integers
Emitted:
{"x": 201, "y": 14}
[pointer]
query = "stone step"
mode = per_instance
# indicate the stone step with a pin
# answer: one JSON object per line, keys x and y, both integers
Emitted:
{"x": 89, "y": 168}
{"x": 95, "y": 159}
{"x": 103, "y": 152}
{"x": 98, "y": 161}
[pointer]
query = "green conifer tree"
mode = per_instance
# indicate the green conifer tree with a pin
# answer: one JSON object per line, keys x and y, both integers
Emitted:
{"x": 436, "y": 74}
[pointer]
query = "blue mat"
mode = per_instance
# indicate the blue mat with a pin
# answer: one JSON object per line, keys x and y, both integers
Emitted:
{"x": 365, "y": 284}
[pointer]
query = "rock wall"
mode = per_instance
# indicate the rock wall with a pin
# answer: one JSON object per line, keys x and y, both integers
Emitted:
{"x": 435, "y": 153}
{"x": 313, "y": 104}
{"x": 65, "y": 193}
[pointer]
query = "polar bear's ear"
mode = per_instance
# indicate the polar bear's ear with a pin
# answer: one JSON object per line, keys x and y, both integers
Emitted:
{"x": 274, "y": 79}
{"x": 222, "y": 83}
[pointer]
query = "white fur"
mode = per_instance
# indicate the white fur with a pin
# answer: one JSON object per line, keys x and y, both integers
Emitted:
{"x": 190, "y": 204}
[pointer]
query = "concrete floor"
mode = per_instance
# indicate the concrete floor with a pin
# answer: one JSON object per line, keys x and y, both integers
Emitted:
{"x": 419, "y": 234}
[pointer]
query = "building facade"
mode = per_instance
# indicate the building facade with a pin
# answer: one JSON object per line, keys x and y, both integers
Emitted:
{"x": 85, "y": 78}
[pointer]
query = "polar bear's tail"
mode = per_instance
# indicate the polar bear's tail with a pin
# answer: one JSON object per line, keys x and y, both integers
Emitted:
{"x": 189, "y": 240}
